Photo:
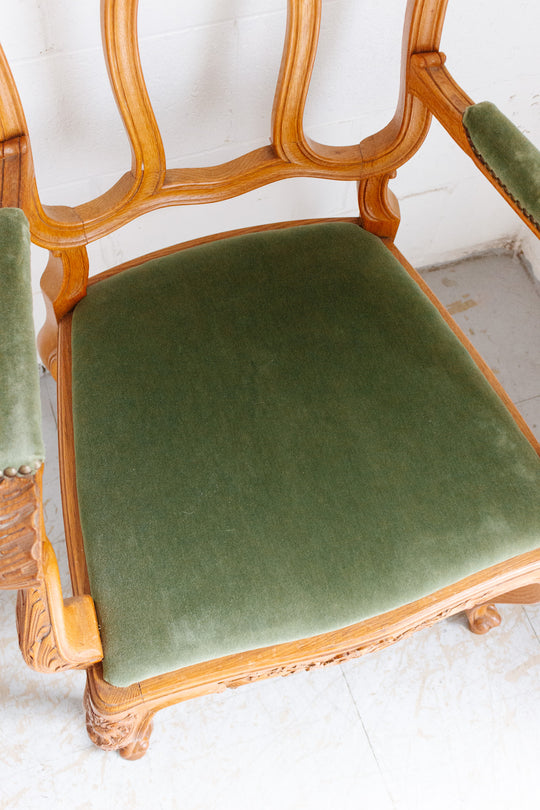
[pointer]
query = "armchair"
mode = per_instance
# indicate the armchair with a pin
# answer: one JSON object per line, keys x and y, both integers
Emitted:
{"x": 278, "y": 450}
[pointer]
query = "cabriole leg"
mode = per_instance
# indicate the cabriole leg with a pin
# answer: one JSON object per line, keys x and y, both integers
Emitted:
{"x": 127, "y": 732}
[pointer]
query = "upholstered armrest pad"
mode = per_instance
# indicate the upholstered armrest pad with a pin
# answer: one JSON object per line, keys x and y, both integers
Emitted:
{"x": 21, "y": 443}
{"x": 507, "y": 153}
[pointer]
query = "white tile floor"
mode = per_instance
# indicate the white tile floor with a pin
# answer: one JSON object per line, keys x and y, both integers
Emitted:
{"x": 442, "y": 720}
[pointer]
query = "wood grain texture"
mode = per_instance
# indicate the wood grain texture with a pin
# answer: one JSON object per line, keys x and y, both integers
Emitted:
{"x": 68, "y": 477}
{"x": 121, "y": 49}
{"x": 150, "y": 185}
{"x": 12, "y": 153}
{"x": 528, "y": 595}
{"x": 37, "y": 641}
{"x": 20, "y": 537}
{"x": 301, "y": 38}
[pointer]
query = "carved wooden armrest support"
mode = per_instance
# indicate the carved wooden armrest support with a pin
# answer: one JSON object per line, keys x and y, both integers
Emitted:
{"x": 433, "y": 84}
{"x": 379, "y": 207}
{"x": 20, "y": 541}
{"x": 54, "y": 633}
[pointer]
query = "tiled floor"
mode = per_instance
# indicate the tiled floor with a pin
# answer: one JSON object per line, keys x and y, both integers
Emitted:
{"x": 442, "y": 720}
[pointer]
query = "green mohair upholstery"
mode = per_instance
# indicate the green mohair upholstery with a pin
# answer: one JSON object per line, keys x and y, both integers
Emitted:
{"x": 20, "y": 413}
{"x": 277, "y": 435}
{"x": 509, "y": 155}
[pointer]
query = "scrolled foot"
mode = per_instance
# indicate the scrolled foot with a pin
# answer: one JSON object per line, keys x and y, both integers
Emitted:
{"x": 126, "y": 732}
{"x": 139, "y": 747}
{"x": 482, "y": 618}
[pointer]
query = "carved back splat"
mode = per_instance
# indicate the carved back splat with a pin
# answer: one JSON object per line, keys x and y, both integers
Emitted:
{"x": 65, "y": 231}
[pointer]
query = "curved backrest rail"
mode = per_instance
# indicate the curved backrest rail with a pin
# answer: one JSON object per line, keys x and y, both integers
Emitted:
{"x": 301, "y": 39}
{"x": 121, "y": 48}
{"x": 12, "y": 121}
{"x": 149, "y": 185}
{"x": 406, "y": 131}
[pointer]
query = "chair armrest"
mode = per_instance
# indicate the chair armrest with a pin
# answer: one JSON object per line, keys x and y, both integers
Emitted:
{"x": 507, "y": 153}
{"x": 54, "y": 633}
{"x": 21, "y": 442}
{"x": 502, "y": 153}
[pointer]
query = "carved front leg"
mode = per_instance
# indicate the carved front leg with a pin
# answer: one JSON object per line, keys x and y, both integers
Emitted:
{"x": 126, "y": 732}
{"x": 482, "y": 618}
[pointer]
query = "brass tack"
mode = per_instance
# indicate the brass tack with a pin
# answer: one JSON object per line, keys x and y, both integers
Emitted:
{"x": 10, "y": 472}
{"x": 25, "y": 469}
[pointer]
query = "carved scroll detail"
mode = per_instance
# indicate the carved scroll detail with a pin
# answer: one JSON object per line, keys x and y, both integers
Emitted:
{"x": 54, "y": 633}
{"x": 337, "y": 658}
{"x": 483, "y": 618}
{"x": 20, "y": 564}
{"x": 128, "y": 732}
{"x": 36, "y": 636}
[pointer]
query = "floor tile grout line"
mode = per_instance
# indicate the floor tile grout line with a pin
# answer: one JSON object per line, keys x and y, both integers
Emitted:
{"x": 48, "y": 382}
{"x": 527, "y": 399}
{"x": 48, "y": 403}
{"x": 388, "y": 791}
{"x": 524, "y": 609}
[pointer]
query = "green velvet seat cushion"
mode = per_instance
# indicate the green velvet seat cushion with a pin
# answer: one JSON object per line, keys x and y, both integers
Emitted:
{"x": 21, "y": 441}
{"x": 278, "y": 435}
{"x": 509, "y": 155}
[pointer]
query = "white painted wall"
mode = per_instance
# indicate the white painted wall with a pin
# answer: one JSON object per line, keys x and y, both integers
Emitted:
{"x": 211, "y": 67}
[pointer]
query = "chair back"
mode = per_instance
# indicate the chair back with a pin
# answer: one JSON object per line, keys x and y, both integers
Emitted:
{"x": 150, "y": 184}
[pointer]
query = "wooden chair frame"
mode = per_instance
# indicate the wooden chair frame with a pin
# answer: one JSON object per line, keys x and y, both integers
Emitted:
{"x": 57, "y": 633}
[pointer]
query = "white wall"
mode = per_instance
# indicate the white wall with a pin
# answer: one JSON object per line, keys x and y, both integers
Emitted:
{"x": 211, "y": 67}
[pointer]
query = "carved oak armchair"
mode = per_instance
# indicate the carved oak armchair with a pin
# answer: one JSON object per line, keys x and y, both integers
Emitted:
{"x": 342, "y": 467}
